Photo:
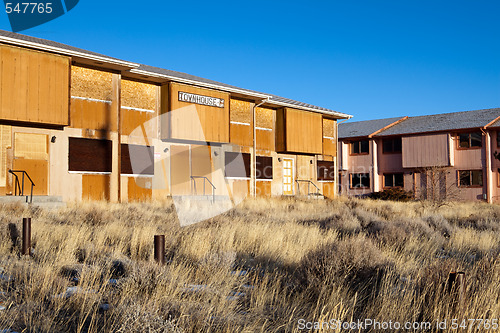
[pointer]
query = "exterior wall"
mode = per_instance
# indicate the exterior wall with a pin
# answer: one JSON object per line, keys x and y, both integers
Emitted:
{"x": 495, "y": 166}
{"x": 361, "y": 163}
{"x": 426, "y": 151}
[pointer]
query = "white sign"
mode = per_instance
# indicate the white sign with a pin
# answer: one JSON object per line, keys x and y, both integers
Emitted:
{"x": 202, "y": 100}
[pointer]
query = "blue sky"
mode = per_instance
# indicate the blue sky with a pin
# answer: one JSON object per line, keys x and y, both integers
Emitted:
{"x": 371, "y": 59}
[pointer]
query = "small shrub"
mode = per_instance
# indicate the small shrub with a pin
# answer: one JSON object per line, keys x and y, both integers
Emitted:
{"x": 393, "y": 194}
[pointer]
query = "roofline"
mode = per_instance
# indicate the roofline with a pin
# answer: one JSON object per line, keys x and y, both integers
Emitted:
{"x": 198, "y": 83}
{"x": 492, "y": 122}
{"x": 387, "y": 126}
{"x": 340, "y": 115}
{"x": 236, "y": 90}
{"x": 43, "y": 47}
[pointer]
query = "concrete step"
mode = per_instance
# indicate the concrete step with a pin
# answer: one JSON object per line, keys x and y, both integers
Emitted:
{"x": 201, "y": 198}
{"x": 42, "y": 201}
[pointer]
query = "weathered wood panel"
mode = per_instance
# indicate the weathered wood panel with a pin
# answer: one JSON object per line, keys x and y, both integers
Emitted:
{"x": 93, "y": 115}
{"x": 329, "y": 189}
{"x": 425, "y": 151}
{"x": 95, "y": 187}
{"x": 263, "y": 188}
{"x": 214, "y": 121}
{"x": 265, "y": 139}
{"x": 329, "y": 137}
{"x": 241, "y": 135}
{"x": 139, "y": 188}
{"x": 38, "y": 170}
{"x": 138, "y": 95}
{"x": 241, "y": 111}
{"x": 132, "y": 119}
{"x": 299, "y": 131}
{"x": 34, "y": 86}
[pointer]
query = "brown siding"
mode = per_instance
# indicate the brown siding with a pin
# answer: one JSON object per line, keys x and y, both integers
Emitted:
{"x": 425, "y": 151}
{"x": 214, "y": 121}
{"x": 34, "y": 86}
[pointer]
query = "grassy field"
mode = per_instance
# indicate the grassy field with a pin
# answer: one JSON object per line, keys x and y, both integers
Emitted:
{"x": 266, "y": 266}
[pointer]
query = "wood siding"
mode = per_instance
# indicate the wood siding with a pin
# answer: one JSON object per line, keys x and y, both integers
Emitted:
{"x": 139, "y": 188}
{"x": 214, "y": 121}
{"x": 329, "y": 137}
{"x": 93, "y": 115}
{"x": 96, "y": 187}
{"x": 425, "y": 151}
{"x": 34, "y": 86}
{"x": 299, "y": 131}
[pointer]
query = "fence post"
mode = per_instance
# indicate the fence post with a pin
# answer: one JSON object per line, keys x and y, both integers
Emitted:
{"x": 26, "y": 249}
{"x": 160, "y": 249}
{"x": 456, "y": 288}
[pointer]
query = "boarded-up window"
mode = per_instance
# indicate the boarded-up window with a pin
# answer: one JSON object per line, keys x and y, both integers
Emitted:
{"x": 6, "y": 141}
{"x": 264, "y": 118}
{"x": 326, "y": 170}
{"x": 237, "y": 165}
{"x": 264, "y": 167}
{"x": 31, "y": 146}
{"x": 90, "y": 155}
{"x": 137, "y": 160}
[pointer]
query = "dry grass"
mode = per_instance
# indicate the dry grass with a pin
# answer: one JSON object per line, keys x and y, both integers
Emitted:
{"x": 257, "y": 268}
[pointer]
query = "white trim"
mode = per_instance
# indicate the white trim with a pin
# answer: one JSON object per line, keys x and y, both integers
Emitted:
{"x": 137, "y": 109}
{"x": 328, "y": 137}
{"x": 89, "y": 172}
{"x": 198, "y": 83}
{"x": 238, "y": 178}
{"x": 238, "y": 123}
{"x": 91, "y": 99}
{"x": 326, "y": 181}
{"x": 264, "y": 129}
{"x": 135, "y": 175}
{"x": 264, "y": 180}
{"x": 43, "y": 47}
{"x": 333, "y": 113}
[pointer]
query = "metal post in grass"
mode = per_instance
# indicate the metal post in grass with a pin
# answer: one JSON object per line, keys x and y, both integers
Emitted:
{"x": 160, "y": 249}
{"x": 456, "y": 288}
{"x": 26, "y": 249}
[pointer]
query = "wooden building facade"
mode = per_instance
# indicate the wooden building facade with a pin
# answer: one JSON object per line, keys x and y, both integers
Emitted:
{"x": 86, "y": 126}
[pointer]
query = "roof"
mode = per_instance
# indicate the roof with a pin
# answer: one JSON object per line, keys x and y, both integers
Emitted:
{"x": 444, "y": 122}
{"x": 364, "y": 128}
{"x": 495, "y": 124}
{"x": 47, "y": 45}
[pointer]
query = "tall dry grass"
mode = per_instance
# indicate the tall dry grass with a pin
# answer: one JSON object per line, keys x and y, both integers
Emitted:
{"x": 260, "y": 267}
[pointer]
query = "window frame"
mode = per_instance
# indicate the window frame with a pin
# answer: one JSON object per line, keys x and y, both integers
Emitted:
{"x": 257, "y": 169}
{"x": 89, "y": 155}
{"x": 498, "y": 139}
{"x": 393, "y": 151}
{"x": 470, "y": 141}
{"x": 359, "y": 187}
{"x": 470, "y": 179}
{"x": 358, "y": 142}
{"x": 393, "y": 175}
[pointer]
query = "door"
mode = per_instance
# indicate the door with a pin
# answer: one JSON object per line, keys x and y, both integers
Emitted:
{"x": 287, "y": 176}
{"x": 31, "y": 154}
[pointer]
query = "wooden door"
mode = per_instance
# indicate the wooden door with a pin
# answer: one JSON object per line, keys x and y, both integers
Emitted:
{"x": 31, "y": 154}
{"x": 287, "y": 176}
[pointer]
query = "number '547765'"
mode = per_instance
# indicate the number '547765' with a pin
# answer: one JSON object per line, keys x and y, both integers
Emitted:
{"x": 29, "y": 8}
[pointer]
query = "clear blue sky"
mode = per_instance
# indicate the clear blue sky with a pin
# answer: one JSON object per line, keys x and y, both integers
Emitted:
{"x": 371, "y": 59}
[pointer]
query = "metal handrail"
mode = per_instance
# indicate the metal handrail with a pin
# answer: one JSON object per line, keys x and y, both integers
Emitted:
{"x": 193, "y": 185}
{"x": 309, "y": 182}
{"x": 21, "y": 188}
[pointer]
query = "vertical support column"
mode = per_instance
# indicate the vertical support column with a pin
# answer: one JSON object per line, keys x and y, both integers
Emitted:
{"x": 376, "y": 180}
{"x": 115, "y": 181}
{"x": 489, "y": 168}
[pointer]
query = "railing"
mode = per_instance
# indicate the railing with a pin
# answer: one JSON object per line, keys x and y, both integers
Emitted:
{"x": 20, "y": 187}
{"x": 308, "y": 186}
{"x": 205, "y": 179}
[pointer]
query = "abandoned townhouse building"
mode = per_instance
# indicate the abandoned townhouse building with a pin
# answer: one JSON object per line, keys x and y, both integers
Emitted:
{"x": 85, "y": 126}
{"x": 451, "y": 155}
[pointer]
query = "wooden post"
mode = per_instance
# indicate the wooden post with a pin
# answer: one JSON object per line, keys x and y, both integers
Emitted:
{"x": 26, "y": 249}
{"x": 159, "y": 244}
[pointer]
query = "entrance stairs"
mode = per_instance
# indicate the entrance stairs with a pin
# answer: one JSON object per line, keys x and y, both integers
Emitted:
{"x": 42, "y": 201}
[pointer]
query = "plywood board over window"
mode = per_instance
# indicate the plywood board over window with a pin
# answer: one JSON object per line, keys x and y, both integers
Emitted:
{"x": 5, "y": 142}
{"x": 329, "y": 137}
{"x": 31, "y": 155}
{"x": 241, "y": 130}
{"x": 91, "y": 83}
{"x": 264, "y": 122}
{"x": 34, "y": 86}
{"x": 138, "y": 95}
{"x": 299, "y": 131}
{"x": 90, "y": 155}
